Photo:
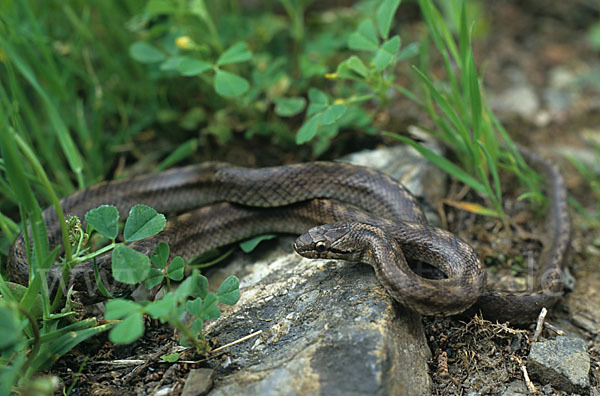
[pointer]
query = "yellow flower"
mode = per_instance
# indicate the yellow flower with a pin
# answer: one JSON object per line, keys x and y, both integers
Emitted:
{"x": 183, "y": 42}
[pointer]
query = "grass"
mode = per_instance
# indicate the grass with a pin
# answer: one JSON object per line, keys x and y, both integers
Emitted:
{"x": 462, "y": 118}
{"x": 65, "y": 103}
{"x": 592, "y": 179}
{"x": 66, "y": 93}
{"x": 455, "y": 103}
{"x": 49, "y": 341}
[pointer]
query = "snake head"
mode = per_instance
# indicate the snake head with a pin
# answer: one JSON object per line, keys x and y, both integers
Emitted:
{"x": 328, "y": 241}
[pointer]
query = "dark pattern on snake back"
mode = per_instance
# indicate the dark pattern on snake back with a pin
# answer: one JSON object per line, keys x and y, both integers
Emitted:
{"x": 295, "y": 198}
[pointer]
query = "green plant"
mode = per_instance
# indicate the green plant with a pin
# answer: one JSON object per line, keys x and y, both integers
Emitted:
{"x": 20, "y": 330}
{"x": 64, "y": 90}
{"x": 462, "y": 119}
{"x": 592, "y": 179}
{"x": 191, "y": 296}
{"x": 325, "y": 116}
{"x": 244, "y": 59}
{"x": 594, "y": 35}
{"x": 22, "y": 306}
{"x": 55, "y": 106}
{"x": 45, "y": 345}
{"x": 132, "y": 267}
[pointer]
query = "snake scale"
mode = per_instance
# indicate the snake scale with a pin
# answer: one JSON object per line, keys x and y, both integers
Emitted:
{"x": 223, "y": 204}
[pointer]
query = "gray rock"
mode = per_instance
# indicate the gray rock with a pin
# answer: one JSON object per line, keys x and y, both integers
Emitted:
{"x": 198, "y": 382}
{"x": 516, "y": 388}
{"x": 328, "y": 327}
{"x": 562, "y": 363}
{"x": 561, "y": 90}
{"x": 519, "y": 98}
{"x": 587, "y": 152}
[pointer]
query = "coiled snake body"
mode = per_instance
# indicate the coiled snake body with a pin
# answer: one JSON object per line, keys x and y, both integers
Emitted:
{"x": 295, "y": 198}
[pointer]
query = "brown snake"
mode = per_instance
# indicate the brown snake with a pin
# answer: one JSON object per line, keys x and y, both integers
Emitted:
{"x": 295, "y": 198}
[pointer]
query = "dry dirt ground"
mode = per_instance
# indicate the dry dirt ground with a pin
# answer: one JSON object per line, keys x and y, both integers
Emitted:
{"x": 538, "y": 40}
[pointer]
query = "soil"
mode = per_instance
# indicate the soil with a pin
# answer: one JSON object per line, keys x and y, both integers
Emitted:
{"x": 473, "y": 357}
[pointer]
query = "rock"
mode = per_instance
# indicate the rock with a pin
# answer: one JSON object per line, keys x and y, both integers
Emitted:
{"x": 586, "y": 153}
{"x": 588, "y": 324}
{"x": 516, "y": 388}
{"x": 328, "y": 327}
{"x": 562, "y": 363}
{"x": 561, "y": 90}
{"x": 198, "y": 382}
{"x": 519, "y": 98}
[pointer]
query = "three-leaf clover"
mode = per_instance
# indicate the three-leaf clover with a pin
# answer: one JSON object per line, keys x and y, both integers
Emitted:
{"x": 226, "y": 83}
{"x": 367, "y": 38}
{"x": 202, "y": 306}
{"x": 162, "y": 270}
{"x": 128, "y": 265}
{"x": 321, "y": 113}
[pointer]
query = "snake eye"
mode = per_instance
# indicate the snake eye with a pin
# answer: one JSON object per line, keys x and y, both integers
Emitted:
{"x": 320, "y": 247}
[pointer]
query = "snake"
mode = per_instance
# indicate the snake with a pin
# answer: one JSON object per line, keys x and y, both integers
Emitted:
{"x": 340, "y": 211}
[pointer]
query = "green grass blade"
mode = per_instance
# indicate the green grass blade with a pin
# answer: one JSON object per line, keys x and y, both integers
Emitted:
{"x": 30, "y": 210}
{"x": 51, "y": 350}
{"x": 443, "y": 40}
{"x": 475, "y": 96}
{"x": 591, "y": 219}
{"x": 41, "y": 175}
{"x": 445, "y": 106}
{"x": 442, "y": 163}
{"x": 497, "y": 191}
{"x": 9, "y": 228}
{"x": 464, "y": 36}
{"x": 33, "y": 120}
{"x": 181, "y": 153}
{"x": 68, "y": 146}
